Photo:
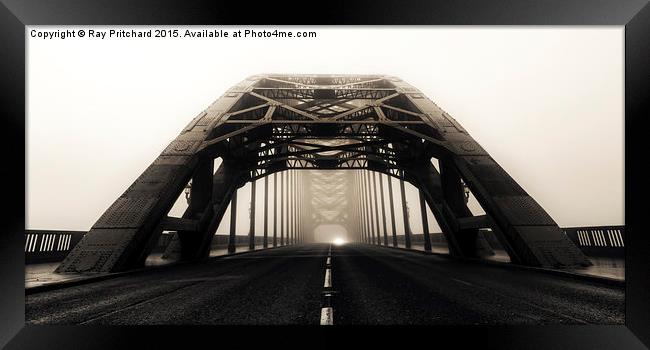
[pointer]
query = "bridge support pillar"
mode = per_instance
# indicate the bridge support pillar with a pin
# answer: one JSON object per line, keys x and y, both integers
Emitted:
{"x": 233, "y": 224}
{"x": 374, "y": 192}
{"x": 251, "y": 230}
{"x": 524, "y": 229}
{"x": 425, "y": 223}
{"x": 368, "y": 201}
{"x": 265, "y": 241}
{"x": 392, "y": 211}
{"x": 282, "y": 205}
{"x": 405, "y": 213}
{"x": 196, "y": 244}
{"x": 292, "y": 206}
{"x": 453, "y": 194}
{"x": 383, "y": 207}
{"x": 359, "y": 210}
{"x": 275, "y": 210}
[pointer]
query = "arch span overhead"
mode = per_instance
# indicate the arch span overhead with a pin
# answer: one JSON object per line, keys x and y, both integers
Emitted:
{"x": 270, "y": 123}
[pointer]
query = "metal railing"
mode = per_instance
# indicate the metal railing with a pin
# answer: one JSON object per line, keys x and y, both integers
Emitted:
{"x": 49, "y": 245}
{"x": 607, "y": 241}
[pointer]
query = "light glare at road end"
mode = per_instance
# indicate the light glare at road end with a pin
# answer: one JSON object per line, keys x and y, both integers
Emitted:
{"x": 338, "y": 241}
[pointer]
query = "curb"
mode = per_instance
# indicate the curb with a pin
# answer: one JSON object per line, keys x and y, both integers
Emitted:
{"x": 102, "y": 277}
{"x": 574, "y": 275}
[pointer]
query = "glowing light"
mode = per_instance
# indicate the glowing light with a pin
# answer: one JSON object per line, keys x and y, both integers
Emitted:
{"x": 338, "y": 241}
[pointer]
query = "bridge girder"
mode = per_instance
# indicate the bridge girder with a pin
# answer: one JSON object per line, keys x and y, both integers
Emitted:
{"x": 271, "y": 123}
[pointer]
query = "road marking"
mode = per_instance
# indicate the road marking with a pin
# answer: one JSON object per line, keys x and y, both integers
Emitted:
{"x": 463, "y": 282}
{"x": 136, "y": 304}
{"x": 326, "y": 316}
{"x": 328, "y": 278}
{"x": 553, "y": 312}
{"x": 327, "y": 311}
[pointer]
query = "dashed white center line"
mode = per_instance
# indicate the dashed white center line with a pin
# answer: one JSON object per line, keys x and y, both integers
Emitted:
{"x": 328, "y": 278}
{"x": 327, "y": 316}
{"x": 327, "y": 311}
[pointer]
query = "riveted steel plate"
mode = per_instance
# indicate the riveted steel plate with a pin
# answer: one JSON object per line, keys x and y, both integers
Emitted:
{"x": 487, "y": 172}
{"x": 195, "y": 135}
{"x": 453, "y": 121}
{"x": 181, "y": 147}
{"x": 126, "y": 212}
{"x": 503, "y": 187}
{"x": 156, "y": 180}
{"x": 549, "y": 245}
{"x": 448, "y": 126}
{"x": 523, "y": 210}
{"x": 463, "y": 144}
{"x": 85, "y": 261}
{"x": 161, "y": 173}
{"x": 109, "y": 238}
{"x": 172, "y": 160}
{"x": 195, "y": 121}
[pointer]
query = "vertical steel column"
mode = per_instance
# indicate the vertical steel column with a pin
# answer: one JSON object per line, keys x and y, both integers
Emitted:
{"x": 374, "y": 193}
{"x": 392, "y": 211}
{"x": 201, "y": 189}
{"x": 383, "y": 207}
{"x": 251, "y": 230}
{"x": 299, "y": 206}
{"x": 290, "y": 213}
{"x": 373, "y": 208}
{"x": 298, "y": 191}
{"x": 407, "y": 226}
{"x": 275, "y": 210}
{"x": 233, "y": 223}
{"x": 294, "y": 207}
{"x": 425, "y": 223}
{"x": 369, "y": 205}
{"x": 266, "y": 213}
{"x": 362, "y": 204}
{"x": 292, "y": 202}
{"x": 357, "y": 207}
{"x": 288, "y": 232}
{"x": 301, "y": 230}
{"x": 282, "y": 208}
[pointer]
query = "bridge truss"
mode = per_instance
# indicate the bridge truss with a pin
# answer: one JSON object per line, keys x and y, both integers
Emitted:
{"x": 272, "y": 123}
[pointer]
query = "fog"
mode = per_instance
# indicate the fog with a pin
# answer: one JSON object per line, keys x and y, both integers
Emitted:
{"x": 546, "y": 103}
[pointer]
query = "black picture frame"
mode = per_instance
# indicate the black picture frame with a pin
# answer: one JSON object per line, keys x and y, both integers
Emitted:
{"x": 633, "y": 14}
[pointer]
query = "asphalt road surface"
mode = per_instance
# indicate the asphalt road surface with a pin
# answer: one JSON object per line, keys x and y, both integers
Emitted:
{"x": 366, "y": 285}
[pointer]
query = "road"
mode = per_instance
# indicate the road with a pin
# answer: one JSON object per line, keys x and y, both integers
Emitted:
{"x": 369, "y": 285}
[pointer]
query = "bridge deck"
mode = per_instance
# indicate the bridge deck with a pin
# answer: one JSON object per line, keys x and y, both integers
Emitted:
{"x": 371, "y": 285}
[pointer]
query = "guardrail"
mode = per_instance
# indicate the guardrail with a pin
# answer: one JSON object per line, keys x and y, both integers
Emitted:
{"x": 594, "y": 241}
{"x": 601, "y": 241}
{"x": 49, "y": 245}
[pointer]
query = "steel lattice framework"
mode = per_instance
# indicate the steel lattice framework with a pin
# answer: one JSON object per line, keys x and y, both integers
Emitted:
{"x": 329, "y": 200}
{"x": 271, "y": 123}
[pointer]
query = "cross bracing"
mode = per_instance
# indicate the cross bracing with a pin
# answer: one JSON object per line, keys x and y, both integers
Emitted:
{"x": 275, "y": 123}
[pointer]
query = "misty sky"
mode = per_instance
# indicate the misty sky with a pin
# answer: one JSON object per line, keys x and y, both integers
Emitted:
{"x": 546, "y": 103}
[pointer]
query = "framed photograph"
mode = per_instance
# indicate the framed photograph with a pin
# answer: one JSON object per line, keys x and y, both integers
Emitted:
{"x": 389, "y": 174}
